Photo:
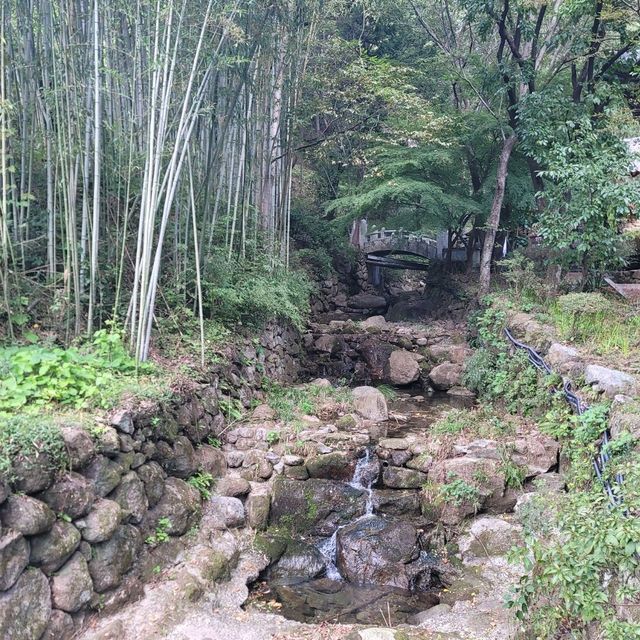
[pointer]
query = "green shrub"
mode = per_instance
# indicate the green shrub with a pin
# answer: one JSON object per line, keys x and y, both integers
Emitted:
{"x": 27, "y": 436}
{"x": 36, "y": 375}
{"x": 253, "y": 293}
{"x": 459, "y": 492}
{"x": 203, "y": 482}
{"x": 519, "y": 272}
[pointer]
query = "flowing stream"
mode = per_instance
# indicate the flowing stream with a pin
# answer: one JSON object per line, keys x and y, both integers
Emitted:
{"x": 331, "y": 597}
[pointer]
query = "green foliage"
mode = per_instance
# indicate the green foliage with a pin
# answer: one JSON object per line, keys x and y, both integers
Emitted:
{"x": 30, "y": 436}
{"x": 588, "y": 191}
{"x": 161, "y": 533}
{"x": 519, "y": 272}
{"x": 388, "y": 392}
{"x": 489, "y": 325}
{"x": 514, "y": 474}
{"x": 479, "y": 371}
{"x": 231, "y": 408}
{"x": 36, "y": 375}
{"x": 459, "y": 492}
{"x": 252, "y": 293}
{"x": 214, "y": 442}
{"x": 273, "y": 437}
{"x": 597, "y": 322}
{"x": 202, "y": 481}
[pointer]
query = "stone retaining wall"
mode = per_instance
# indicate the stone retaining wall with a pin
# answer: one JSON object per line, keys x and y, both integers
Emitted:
{"x": 72, "y": 541}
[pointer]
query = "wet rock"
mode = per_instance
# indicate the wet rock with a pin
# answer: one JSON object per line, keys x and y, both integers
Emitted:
{"x": 153, "y": 477}
{"x": 257, "y": 507}
{"x": 233, "y": 486}
{"x": 102, "y": 521}
{"x": 107, "y": 441}
{"x": 33, "y": 473}
{"x": 446, "y": 375}
{"x": 402, "y": 368}
{"x": 14, "y": 557}
{"x": 60, "y": 626}
{"x": 71, "y": 587}
{"x": 72, "y": 495}
{"x": 79, "y": 446}
{"x": 338, "y": 465}
{"x": 51, "y": 550}
{"x": 300, "y": 562}
{"x": 382, "y": 552}
{"x": 315, "y": 506}
{"x": 25, "y": 609}
{"x": 370, "y": 404}
{"x": 611, "y": 382}
{"x": 400, "y": 478}
{"x": 104, "y": 475}
{"x": 396, "y": 503}
{"x": 122, "y": 420}
{"x": 211, "y": 460}
{"x": 26, "y": 515}
{"x": 111, "y": 559}
{"x": 489, "y": 537}
{"x": 180, "y": 504}
{"x": 296, "y": 473}
{"x": 222, "y": 512}
{"x": 130, "y": 494}
{"x": 375, "y": 358}
{"x": 180, "y": 460}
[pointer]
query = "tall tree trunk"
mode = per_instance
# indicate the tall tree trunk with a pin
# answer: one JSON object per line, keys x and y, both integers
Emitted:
{"x": 494, "y": 217}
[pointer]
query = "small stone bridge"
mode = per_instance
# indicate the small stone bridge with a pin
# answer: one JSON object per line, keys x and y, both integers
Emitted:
{"x": 378, "y": 245}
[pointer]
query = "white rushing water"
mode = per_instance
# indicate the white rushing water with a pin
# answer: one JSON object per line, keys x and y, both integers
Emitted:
{"x": 363, "y": 478}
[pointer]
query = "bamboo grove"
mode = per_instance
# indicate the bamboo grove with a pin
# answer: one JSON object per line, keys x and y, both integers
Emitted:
{"x": 136, "y": 135}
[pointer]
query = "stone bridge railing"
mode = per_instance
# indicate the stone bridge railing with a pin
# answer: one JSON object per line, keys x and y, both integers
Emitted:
{"x": 388, "y": 240}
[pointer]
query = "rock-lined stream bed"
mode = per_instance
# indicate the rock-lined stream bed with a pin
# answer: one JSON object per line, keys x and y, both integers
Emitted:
{"x": 378, "y": 567}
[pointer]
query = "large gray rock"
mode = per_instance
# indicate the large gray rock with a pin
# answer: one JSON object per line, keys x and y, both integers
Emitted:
{"x": 153, "y": 477}
{"x": 610, "y": 381}
{"x": 222, "y": 512}
{"x": 374, "y": 322}
{"x": 79, "y": 446}
{"x": 367, "y": 301}
{"x": 211, "y": 460}
{"x": 180, "y": 459}
{"x": 257, "y": 507}
{"x": 455, "y": 353}
{"x": 338, "y": 465}
{"x": 60, "y": 626}
{"x": 370, "y": 403}
{"x": 446, "y": 375}
{"x": 71, "y": 587}
{"x": 14, "y": 557}
{"x": 32, "y": 473}
{"x": 25, "y": 609}
{"x": 111, "y": 559}
{"x": 382, "y": 552}
{"x": 101, "y": 522}
{"x": 401, "y": 478}
{"x": 300, "y": 562}
{"x": 26, "y": 515}
{"x": 392, "y": 502}
{"x": 316, "y": 506}
{"x": 564, "y": 359}
{"x": 51, "y": 550}
{"x": 107, "y": 441}
{"x": 104, "y": 474}
{"x": 130, "y": 494}
{"x": 233, "y": 486}
{"x": 402, "y": 367}
{"x": 180, "y": 504}
{"x": 72, "y": 495}
{"x": 489, "y": 536}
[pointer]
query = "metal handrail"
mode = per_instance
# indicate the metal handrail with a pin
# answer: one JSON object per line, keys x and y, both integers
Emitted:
{"x": 601, "y": 459}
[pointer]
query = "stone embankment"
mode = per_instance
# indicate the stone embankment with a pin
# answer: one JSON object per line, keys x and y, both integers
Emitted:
{"x": 395, "y": 353}
{"x": 73, "y": 540}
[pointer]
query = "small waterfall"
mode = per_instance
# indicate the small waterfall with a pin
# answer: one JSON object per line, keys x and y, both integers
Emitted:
{"x": 364, "y": 475}
{"x": 363, "y": 478}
